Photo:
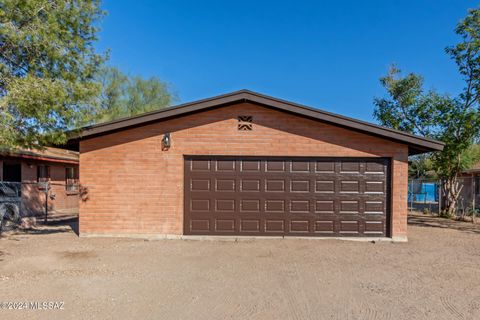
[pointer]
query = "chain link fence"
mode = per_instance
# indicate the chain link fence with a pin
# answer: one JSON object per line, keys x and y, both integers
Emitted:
{"x": 424, "y": 195}
{"x": 36, "y": 200}
{"x": 10, "y": 202}
{"x": 427, "y": 195}
{"x": 467, "y": 202}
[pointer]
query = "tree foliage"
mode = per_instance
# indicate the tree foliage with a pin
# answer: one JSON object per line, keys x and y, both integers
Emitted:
{"x": 421, "y": 167}
{"x": 47, "y": 69}
{"x": 124, "y": 96}
{"x": 466, "y": 55}
{"x": 453, "y": 120}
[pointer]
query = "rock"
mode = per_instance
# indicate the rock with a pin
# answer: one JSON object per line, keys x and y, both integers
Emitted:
{"x": 28, "y": 223}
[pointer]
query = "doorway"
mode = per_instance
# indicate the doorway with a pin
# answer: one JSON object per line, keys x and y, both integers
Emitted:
{"x": 12, "y": 172}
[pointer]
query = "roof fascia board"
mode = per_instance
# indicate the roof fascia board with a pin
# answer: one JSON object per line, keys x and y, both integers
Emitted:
{"x": 351, "y": 124}
{"x": 419, "y": 143}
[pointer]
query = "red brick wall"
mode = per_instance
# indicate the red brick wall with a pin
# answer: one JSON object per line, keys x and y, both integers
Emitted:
{"x": 33, "y": 199}
{"x": 135, "y": 187}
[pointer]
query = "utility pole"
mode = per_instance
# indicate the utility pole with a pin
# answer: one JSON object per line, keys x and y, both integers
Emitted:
{"x": 473, "y": 198}
{"x": 47, "y": 188}
{"x": 411, "y": 195}
{"x": 440, "y": 187}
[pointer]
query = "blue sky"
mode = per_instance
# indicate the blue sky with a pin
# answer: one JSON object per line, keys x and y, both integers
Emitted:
{"x": 325, "y": 54}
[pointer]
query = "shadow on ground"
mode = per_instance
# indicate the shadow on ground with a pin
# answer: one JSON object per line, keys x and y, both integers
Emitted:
{"x": 56, "y": 224}
{"x": 436, "y": 222}
{"x": 55, "y": 227}
{"x": 69, "y": 223}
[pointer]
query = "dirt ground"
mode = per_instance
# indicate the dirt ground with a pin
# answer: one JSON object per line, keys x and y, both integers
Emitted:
{"x": 436, "y": 275}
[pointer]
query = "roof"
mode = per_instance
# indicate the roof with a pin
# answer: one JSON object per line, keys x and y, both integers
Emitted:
{"x": 474, "y": 169}
{"x": 416, "y": 144}
{"x": 47, "y": 154}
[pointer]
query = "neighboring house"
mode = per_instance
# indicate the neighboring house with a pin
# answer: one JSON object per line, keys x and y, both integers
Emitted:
{"x": 28, "y": 171}
{"x": 245, "y": 164}
{"x": 470, "y": 193}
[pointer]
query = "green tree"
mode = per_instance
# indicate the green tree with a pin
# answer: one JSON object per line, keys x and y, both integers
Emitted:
{"x": 421, "y": 167}
{"x": 453, "y": 120}
{"x": 47, "y": 69}
{"x": 112, "y": 96}
{"x": 124, "y": 96}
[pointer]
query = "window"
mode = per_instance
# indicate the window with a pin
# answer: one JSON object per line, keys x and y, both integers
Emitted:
{"x": 477, "y": 185}
{"x": 71, "y": 179}
{"x": 43, "y": 173}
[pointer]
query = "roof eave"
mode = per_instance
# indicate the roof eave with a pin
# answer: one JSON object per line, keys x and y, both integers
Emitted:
{"x": 40, "y": 158}
{"x": 416, "y": 144}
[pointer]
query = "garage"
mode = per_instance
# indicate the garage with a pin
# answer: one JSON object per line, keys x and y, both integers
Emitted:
{"x": 245, "y": 164}
{"x": 268, "y": 196}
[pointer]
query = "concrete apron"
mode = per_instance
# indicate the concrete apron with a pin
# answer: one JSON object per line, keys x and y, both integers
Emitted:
{"x": 396, "y": 239}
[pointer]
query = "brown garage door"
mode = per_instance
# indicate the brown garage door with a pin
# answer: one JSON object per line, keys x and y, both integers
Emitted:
{"x": 286, "y": 196}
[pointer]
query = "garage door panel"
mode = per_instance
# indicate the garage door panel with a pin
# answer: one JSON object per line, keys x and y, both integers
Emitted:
{"x": 326, "y": 166}
{"x": 349, "y": 186}
{"x": 349, "y": 206}
{"x": 274, "y": 205}
{"x": 300, "y": 166}
{"x": 375, "y": 206}
{"x": 351, "y": 227}
{"x": 300, "y": 185}
{"x": 225, "y": 205}
{"x": 299, "y": 226}
{"x": 200, "y": 205}
{"x": 200, "y": 165}
{"x": 375, "y": 187}
{"x": 199, "y": 225}
{"x": 250, "y": 185}
{"x": 275, "y": 185}
{"x": 299, "y": 206}
{"x": 250, "y": 225}
{"x": 222, "y": 185}
{"x": 324, "y": 227}
{"x": 225, "y": 225}
{"x": 200, "y": 185}
{"x": 274, "y": 226}
{"x": 250, "y": 205}
{"x": 248, "y": 166}
{"x": 275, "y": 166}
{"x": 372, "y": 167}
{"x": 325, "y": 206}
{"x": 349, "y": 166}
{"x": 374, "y": 227}
{"x": 225, "y": 165}
{"x": 290, "y": 196}
{"x": 325, "y": 186}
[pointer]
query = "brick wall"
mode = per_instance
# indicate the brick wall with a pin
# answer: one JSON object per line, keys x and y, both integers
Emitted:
{"x": 33, "y": 199}
{"x": 135, "y": 187}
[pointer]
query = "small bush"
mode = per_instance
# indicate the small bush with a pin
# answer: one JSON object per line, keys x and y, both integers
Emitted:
{"x": 444, "y": 214}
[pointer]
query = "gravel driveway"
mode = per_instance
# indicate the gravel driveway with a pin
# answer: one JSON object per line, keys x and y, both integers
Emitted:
{"x": 436, "y": 275}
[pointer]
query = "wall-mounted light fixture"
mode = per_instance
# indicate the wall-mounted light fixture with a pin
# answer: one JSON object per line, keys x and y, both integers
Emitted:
{"x": 166, "y": 141}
